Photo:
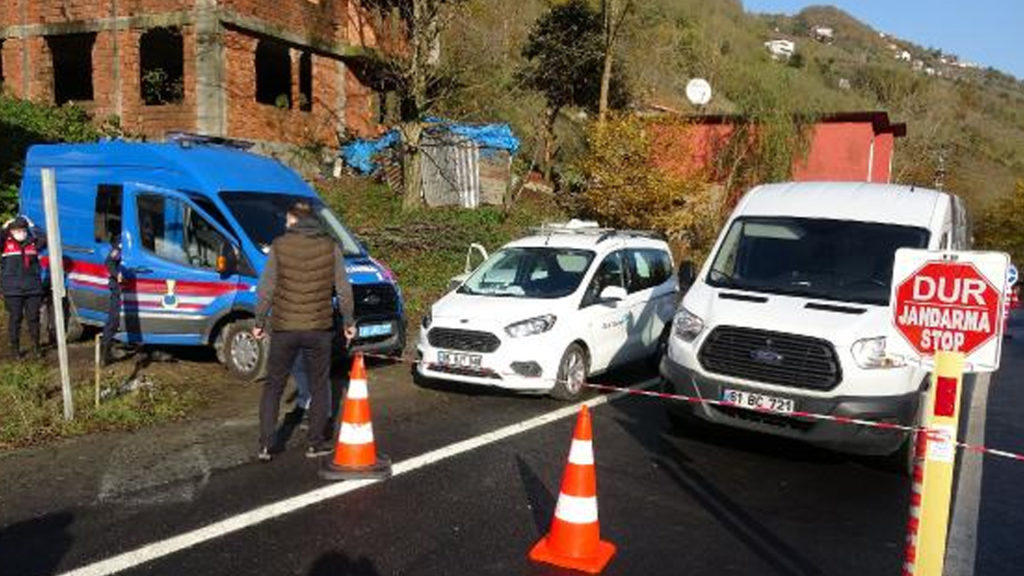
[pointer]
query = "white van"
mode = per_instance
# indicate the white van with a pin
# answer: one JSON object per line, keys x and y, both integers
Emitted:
{"x": 790, "y": 311}
{"x": 546, "y": 311}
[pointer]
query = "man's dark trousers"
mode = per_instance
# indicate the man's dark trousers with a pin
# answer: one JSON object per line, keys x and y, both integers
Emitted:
{"x": 26, "y": 307}
{"x": 284, "y": 348}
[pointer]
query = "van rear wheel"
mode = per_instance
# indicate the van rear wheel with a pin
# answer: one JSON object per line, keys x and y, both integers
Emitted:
{"x": 245, "y": 355}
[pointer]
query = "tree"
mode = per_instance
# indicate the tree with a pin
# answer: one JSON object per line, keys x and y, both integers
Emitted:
{"x": 1000, "y": 228}
{"x": 614, "y": 14}
{"x": 565, "y": 60}
{"x": 416, "y": 74}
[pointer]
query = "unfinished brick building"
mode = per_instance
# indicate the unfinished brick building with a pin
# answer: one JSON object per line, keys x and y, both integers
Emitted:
{"x": 267, "y": 70}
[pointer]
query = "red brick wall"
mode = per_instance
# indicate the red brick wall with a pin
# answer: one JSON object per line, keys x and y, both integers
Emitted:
{"x": 329, "y": 21}
{"x": 136, "y": 117}
{"x": 248, "y": 118}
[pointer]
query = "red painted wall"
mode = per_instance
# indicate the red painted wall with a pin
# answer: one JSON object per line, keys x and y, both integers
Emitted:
{"x": 838, "y": 151}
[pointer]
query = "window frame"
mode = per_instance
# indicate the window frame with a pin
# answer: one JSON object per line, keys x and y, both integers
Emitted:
{"x": 190, "y": 210}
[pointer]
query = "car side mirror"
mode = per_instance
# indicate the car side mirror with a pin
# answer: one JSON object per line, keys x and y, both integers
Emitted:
{"x": 612, "y": 294}
{"x": 687, "y": 276}
{"x": 227, "y": 259}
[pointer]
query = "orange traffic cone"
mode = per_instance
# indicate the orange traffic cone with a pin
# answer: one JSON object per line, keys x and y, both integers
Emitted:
{"x": 355, "y": 455}
{"x": 574, "y": 541}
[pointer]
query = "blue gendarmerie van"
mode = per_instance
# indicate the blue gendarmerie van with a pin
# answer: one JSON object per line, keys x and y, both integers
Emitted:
{"x": 196, "y": 216}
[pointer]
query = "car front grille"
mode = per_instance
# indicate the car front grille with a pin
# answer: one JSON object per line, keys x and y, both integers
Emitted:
{"x": 463, "y": 340}
{"x": 771, "y": 357}
{"x": 374, "y": 300}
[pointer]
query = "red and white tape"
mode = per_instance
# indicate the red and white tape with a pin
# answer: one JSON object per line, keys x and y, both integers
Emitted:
{"x": 931, "y": 434}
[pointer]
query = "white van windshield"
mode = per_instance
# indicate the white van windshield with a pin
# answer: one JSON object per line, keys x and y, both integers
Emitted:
{"x": 261, "y": 215}
{"x": 815, "y": 258}
{"x": 530, "y": 273}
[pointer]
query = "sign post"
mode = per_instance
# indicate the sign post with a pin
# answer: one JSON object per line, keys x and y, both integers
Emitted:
{"x": 947, "y": 315}
{"x": 56, "y": 253}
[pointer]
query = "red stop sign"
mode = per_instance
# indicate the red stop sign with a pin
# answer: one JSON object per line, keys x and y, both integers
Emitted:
{"x": 947, "y": 306}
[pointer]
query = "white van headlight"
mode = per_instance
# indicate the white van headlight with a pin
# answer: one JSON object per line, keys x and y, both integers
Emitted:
{"x": 687, "y": 325}
{"x": 869, "y": 353}
{"x": 530, "y": 327}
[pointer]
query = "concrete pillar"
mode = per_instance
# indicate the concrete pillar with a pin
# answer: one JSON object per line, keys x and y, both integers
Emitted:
{"x": 211, "y": 106}
{"x": 26, "y": 62}
{"x": 115, "y": 64}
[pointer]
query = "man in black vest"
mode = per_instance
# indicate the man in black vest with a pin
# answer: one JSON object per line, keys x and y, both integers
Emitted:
{"x": 304, "y": 270}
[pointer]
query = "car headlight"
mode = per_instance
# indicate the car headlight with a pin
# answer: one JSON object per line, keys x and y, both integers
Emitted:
{"x": 869, "y": 353}
{"x": 687, "y": 325}
{"x": 427, "y": 320}
{"x": 530, "y": 327}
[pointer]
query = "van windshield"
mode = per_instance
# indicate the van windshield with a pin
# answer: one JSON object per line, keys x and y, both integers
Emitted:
{"x": 529, "y": 273}
{"x": 261, "y": 215}
{"x": 814, "y": 258}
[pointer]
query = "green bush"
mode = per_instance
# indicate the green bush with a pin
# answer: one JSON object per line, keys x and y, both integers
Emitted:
{"x": 24, "y": 123}
{"x": 426, "y": 247}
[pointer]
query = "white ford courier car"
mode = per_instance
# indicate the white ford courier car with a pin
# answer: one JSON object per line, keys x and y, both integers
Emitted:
{"x": 546, "y": 311}
{"x": 791, "y": 310}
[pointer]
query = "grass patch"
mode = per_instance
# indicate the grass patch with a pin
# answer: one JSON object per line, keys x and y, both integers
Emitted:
{"x": 31, "y": 405}
{"x": 425, "y": 247}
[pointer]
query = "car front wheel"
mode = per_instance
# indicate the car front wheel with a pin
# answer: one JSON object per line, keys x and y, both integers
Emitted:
{"x": 572, "y": 373}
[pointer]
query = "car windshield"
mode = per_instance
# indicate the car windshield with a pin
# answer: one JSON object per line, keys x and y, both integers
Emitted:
{"x": 261, "y": 215}
{"x": 529, "y": 273}
{"x": 815, "y": 258}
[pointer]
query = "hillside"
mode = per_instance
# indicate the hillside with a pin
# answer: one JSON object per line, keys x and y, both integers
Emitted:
{"x": 965, "y": 124}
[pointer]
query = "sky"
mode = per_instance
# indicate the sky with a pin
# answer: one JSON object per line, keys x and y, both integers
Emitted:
{"x": 989, "y": 32}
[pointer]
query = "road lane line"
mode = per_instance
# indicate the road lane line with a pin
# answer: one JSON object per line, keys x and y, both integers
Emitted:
{"x": 221, "y": 528}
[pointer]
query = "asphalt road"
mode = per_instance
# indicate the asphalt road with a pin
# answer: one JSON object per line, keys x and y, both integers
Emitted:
{"x": 714, "y": 502}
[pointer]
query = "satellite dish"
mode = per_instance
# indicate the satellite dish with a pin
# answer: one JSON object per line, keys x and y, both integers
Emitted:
{"x": 698, "y": 91}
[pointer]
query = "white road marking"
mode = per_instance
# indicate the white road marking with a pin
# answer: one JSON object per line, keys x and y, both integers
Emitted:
{"x": 963, "y": 533}
{"x": 187, "y": 540}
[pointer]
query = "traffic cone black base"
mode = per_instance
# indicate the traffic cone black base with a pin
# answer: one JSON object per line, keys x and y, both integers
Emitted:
{"x": 380, "y": 470}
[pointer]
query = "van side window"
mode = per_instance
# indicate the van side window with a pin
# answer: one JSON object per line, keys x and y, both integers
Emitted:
{"x": 611, "y": 272}
{"x": 648, "y": 268}
{"x": 107, "y": 219}
{"x": 172, "y": 230}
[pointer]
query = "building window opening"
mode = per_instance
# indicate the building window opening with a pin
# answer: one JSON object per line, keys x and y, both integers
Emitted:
{"x": 273, "y": 74}
{"x": 72, "y": 67}
{"x": 306, "y": 82}
{"x": 162, "y": 67}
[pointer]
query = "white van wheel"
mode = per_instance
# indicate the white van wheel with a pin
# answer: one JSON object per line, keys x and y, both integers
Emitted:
{"x": 572, "y": 373}
{"x": 244, "y": 354}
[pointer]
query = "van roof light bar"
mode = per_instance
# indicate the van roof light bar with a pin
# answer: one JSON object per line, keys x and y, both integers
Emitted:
{"x": 187, "y": 139}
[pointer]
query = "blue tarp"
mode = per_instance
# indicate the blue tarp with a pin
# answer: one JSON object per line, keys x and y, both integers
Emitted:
{"x": 359, "y": 153}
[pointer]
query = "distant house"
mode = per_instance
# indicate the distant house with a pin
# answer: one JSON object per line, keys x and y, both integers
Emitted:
{"x": 823, "y": 34}
{"x": 918, "y": 65}
{"x": 930, "y": 71}
{"x": 849, "y": 146}
{"x": 780, "y": 48}
{"x": 904, "y": 56}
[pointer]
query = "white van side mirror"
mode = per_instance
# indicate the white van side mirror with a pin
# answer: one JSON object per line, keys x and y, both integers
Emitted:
{"x": 612, "y": 294}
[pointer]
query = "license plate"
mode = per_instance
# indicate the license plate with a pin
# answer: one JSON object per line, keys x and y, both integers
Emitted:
{"x": 371, "y": 330}
{"x": 457, "y": 360}
{"x": 755, "y": 401}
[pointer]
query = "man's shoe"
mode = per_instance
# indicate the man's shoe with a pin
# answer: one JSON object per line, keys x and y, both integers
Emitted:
{"x": 319, "y": 449}
{"x": 264, "y": 455}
